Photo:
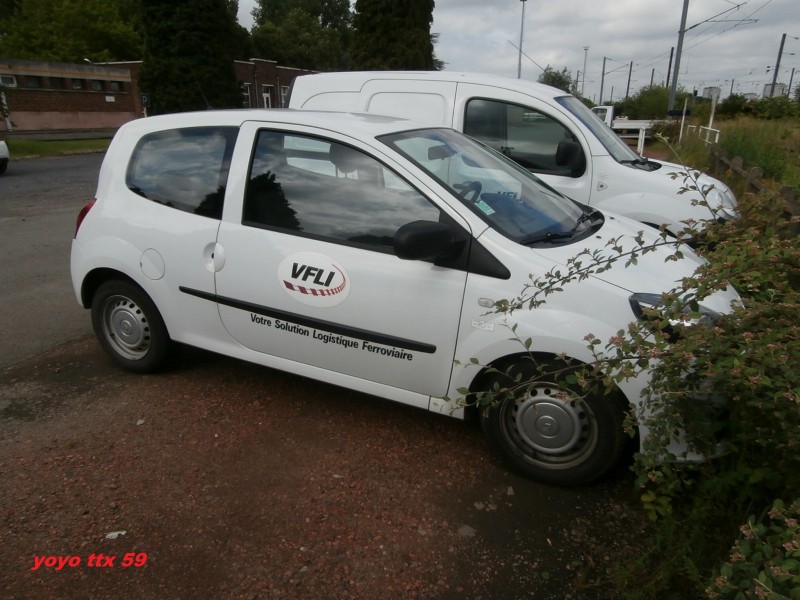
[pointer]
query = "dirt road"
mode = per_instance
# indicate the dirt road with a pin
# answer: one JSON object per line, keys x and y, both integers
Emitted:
{"x": 234, "y": 481}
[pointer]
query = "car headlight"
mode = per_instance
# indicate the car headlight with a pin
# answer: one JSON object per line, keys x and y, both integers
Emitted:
{"x": 723, "y": 203}
{"x": 651, "y": 308}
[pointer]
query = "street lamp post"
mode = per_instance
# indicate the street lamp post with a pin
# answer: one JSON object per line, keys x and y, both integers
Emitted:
{"x": 521, "y": 30}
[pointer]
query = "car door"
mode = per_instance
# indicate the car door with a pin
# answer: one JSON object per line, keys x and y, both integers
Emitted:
{"x": 309, "y": 273}
{"x": 536, "y": 138}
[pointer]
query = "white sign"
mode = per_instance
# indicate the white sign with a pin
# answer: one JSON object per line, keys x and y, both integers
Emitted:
{"x": 314, "y": 279}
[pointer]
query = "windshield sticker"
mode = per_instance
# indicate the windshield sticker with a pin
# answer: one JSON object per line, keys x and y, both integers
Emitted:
{"x": 314, "y": 279}
{"x": 485, "y": 208}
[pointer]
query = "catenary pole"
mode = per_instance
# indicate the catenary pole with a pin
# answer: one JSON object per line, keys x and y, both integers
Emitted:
{"x": 674, "y": 87}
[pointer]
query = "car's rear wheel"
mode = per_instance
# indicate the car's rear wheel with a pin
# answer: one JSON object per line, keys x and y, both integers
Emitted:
{"x": 558, "y": 435}
{"x": 129, "y": 326}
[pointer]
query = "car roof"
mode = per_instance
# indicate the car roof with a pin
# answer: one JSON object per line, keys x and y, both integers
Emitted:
{"x": 358, "y": 78}
{"x": 356, "y": 124}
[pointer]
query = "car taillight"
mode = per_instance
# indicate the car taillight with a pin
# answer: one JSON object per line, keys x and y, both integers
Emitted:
{"x": 82, "y": 215}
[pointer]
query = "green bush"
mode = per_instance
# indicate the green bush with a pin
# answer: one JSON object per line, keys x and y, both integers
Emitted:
{"x": 765, "y": 561}
{"x": 747, "y": 358}
{"x": 727, "y": 385}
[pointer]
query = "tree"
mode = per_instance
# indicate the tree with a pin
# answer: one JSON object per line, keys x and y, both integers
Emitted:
{"x": 557, "y": 79}
{"x": 651, "y": 103}
{"x": 314, "y": 34}
{"x": 329, "y": 13}
{"x": 241, "y": 40}
{"x": 188, "y": 57}
{"x": 71, "y": 30}
{"x": 732, "y": 105}
{"x": 393, "y": 34}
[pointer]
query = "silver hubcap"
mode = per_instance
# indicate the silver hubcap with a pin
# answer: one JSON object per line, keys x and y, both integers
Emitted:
{"x": 126, "y": 328}
{"x": 551, "y": 425}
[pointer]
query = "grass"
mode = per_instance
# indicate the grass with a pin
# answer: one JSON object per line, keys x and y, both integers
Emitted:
{"x": 21, "y": 148}
{"x": 774, "y": 146}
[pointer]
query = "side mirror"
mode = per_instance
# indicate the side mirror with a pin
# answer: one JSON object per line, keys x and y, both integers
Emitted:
{"x": 423, "y": 240}
{"x": 569, "y": 154}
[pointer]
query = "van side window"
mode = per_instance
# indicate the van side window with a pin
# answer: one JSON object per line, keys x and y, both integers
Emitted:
{"x": 527, "y": 136}
{"x": 322, "y": 189}
{"x": 186, "y": 169}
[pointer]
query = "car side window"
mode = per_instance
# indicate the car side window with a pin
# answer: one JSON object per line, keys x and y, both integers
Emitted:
{"x": 323, "y": 189}
{"x": 525, "y": 135}
{"x": 186, "y": 169}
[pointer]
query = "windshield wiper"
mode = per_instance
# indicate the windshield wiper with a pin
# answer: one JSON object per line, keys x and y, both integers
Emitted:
{"x": 548, "y": 236}
{"x": 639, "y": 160}
{"x": 552, "y": 236}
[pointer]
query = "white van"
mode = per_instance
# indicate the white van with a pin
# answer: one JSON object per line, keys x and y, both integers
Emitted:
{"x": 549, "y": 132}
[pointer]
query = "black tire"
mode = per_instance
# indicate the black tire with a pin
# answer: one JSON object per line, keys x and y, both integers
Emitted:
{"x": 549, "y": 434}
{"x": 129, "y": 326}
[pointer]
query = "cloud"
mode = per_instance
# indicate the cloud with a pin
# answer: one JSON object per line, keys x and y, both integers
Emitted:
{"x": 481, "y": 35}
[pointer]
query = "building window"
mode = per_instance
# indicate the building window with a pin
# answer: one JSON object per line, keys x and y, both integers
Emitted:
{"x": 284, "y": 93}
{"x": 77, "y": 84}
{"x": 266, "y": 95}
{"x": 31, "y": 81}
{"x": 246, "y": 95}
{"x": 97, "y": 86}
{"x": 8, "y": 81}
{"x": 114, "y": 86}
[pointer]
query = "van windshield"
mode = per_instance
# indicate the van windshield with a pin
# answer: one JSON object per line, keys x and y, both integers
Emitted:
{"x": 619, "y": 150}
{"x": 508, "y": 197}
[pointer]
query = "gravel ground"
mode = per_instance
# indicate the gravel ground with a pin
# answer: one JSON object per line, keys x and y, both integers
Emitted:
{"x": 230, "y": 480}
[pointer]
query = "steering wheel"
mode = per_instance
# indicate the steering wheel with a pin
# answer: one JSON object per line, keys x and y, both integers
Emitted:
{"x": 467, "y": 188}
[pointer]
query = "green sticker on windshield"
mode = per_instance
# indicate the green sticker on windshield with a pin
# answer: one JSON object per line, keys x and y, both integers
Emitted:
{"x": 485, "y": 208}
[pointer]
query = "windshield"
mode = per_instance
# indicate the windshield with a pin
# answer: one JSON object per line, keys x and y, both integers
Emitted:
{"x": 618, "y": 149}
{"x": 502, "y": 193}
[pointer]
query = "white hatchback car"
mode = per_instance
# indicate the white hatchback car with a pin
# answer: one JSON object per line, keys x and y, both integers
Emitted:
{"x": 364, "y": 251}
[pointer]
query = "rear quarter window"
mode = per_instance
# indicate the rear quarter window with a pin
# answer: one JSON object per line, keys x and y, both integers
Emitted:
{"x": 186, "y": 169}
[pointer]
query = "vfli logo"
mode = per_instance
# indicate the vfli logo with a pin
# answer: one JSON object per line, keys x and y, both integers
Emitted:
{"x": 314, "y": 279}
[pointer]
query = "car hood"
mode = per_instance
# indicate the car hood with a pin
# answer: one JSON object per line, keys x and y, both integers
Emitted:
{"x": 654, "y": 272}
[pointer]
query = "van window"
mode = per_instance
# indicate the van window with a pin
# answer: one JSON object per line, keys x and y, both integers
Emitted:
{"x": 319, "y": 188}
{"x": 525, "y": 135}
{"x": 618, "y": 149}
{"x": 186, "y": 169}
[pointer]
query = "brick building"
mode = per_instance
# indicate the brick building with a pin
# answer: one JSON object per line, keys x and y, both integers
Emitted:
{"x": 50, "y": 96}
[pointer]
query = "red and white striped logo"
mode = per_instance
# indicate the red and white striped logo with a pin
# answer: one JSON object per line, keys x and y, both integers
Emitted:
{"x": 314, "y": 279}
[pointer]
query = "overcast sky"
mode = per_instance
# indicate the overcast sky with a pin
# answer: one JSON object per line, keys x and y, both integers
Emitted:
{"x": 727, "y": 43}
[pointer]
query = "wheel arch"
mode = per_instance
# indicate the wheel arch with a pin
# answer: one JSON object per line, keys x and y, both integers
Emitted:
{"x": 97, "y": 277}
{"x": 503, "y": 362}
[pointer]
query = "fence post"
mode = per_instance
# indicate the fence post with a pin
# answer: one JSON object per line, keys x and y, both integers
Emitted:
{"x": 753, "y": 178}
{"x": 789, "y": 193}
{"x": 716, "y": 152}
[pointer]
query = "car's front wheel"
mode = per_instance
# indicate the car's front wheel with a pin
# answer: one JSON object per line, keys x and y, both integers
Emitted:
{"x": 553, "y": 434}
{"x": 129, "y": 326}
